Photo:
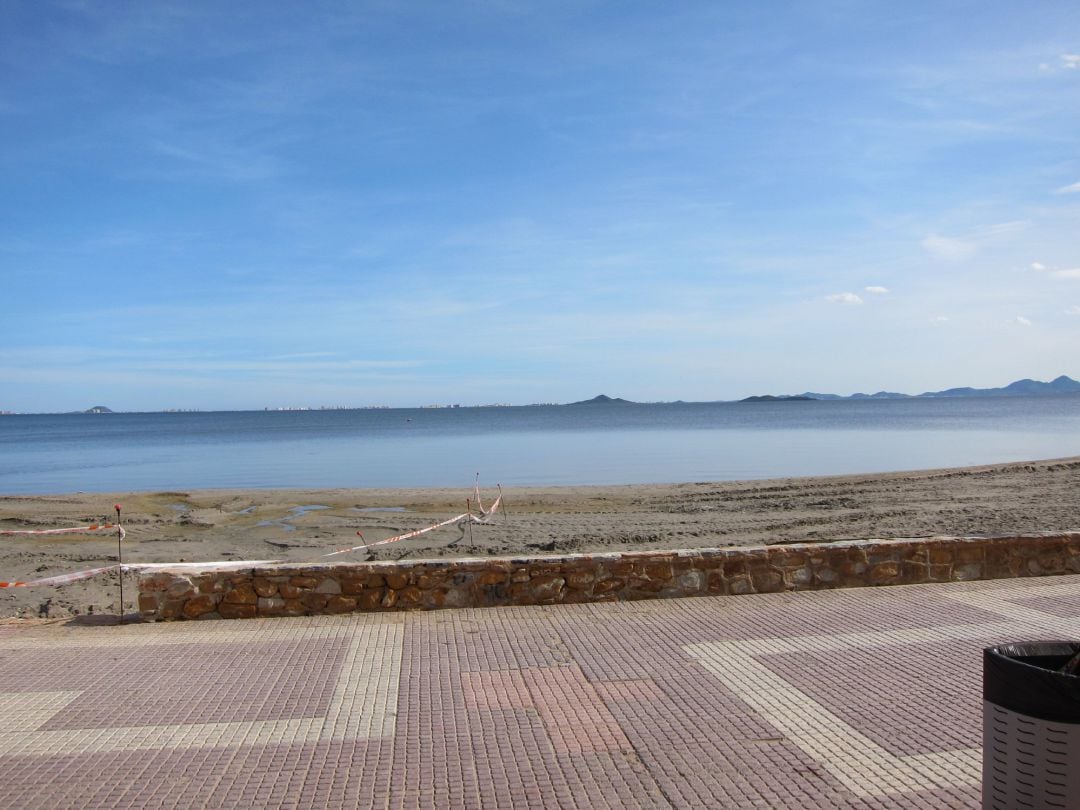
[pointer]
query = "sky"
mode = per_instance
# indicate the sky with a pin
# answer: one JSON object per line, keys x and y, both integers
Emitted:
{"x": 247, "y": 204}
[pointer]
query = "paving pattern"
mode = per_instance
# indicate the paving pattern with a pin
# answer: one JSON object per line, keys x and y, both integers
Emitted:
{"x": 862, "y": 698}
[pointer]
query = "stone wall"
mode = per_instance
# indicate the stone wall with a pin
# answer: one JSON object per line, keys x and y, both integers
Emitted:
{"x": 304, "y": 590}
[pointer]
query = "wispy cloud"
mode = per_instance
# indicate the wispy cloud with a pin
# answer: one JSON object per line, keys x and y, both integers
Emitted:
{"x": 938, "y": 320}
{"x": 1056, "y": 272}
{"x": 875, "y": 290}
{"x": 1072, "y": 188}
{"x": 1020, "y": 319}
{"x": 1070, "y": 61}
{"x": 847, "y": 298}
{"x": 1073, "y": 310}
{"x": 948, "y": 248}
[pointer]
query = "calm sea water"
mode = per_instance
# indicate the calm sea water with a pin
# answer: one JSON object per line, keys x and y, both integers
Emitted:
{"x": 591, "y": 444}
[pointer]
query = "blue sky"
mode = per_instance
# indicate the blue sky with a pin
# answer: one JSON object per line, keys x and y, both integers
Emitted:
{"x": 238, "y": 205}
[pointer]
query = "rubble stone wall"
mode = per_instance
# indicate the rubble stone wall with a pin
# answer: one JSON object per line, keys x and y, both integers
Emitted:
{"x": 314, "y": 589}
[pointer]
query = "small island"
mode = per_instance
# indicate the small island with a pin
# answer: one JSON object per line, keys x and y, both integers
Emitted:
{"x": 99, "y": 409}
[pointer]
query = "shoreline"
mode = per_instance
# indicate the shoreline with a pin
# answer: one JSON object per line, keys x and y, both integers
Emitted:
{"x": 299, "y": 525}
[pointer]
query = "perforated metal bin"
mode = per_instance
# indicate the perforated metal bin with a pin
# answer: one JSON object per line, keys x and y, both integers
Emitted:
{"x": 1031, "y": 727}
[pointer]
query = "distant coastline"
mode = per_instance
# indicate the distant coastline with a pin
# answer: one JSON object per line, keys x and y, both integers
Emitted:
{"x": 1062, "y": 385}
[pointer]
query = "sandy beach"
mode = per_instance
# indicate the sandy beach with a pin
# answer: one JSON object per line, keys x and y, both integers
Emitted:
{"x": 300, "y": 525}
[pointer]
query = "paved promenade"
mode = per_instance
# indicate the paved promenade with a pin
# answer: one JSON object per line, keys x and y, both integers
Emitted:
{"x": 864, "y": 698}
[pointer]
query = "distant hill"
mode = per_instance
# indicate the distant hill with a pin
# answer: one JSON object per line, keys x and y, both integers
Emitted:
{"x": 99, "y": 409}
{"x": 1020, "y": 388}
{"x": 771, "y": 398}
{"x": 603, "y": 399}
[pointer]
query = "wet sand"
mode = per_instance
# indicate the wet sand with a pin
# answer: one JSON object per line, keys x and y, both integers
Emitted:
{"x": 300, "y": 525}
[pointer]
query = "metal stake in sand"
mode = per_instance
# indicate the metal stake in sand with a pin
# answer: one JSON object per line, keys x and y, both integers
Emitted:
{"x": 468, "y": 508}
{"x": 120, "y": 557}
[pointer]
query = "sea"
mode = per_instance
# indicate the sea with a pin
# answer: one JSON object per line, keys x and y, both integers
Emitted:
{"x": 530, "y": 445}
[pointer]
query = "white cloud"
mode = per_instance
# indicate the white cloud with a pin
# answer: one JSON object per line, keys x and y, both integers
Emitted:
{"x": 1020, "y": 319}
{"x": 947, "y": 248}
{"x": 844, "y": 298}
{"x": 937, "y": 320}
{"x": 1070, "y": 61}
{"x": 1073, "y": 188}
{"x": 874, "y": 290}
{"x": 1073, "y": 310}
{"x": 1038, "y": 266}
{"x": 1073, "y": 272}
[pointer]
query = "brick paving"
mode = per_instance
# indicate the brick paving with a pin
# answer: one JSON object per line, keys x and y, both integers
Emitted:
{"x": 862, "y": 698}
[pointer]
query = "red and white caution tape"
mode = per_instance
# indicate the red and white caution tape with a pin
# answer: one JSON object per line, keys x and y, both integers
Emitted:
{"x": 96, "y": 527}
{"x": 64, "y": 579}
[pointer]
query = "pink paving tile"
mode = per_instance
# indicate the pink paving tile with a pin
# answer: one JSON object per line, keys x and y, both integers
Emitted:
{"x": 573, "y": 713}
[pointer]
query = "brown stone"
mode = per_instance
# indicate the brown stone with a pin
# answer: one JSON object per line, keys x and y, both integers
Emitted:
{"x": 580, "y": 579}
{"x": 180, "y": 588}
{"x": 352, "y": 587}
{"x": 913, "y": 572}
{"x": 740, "y": 585}
{"x": 546, "y": 588}
{"x": 766, "y": 580}
{"x": 375, "y": 581}
{"x": 340, "y": 604}
{"x": 370, "y": 599}
{"x": 198, "y": 605}
{"x": 237, "y": 611}
{"x": 734, "y": 568}
{"x": 608, "y": 585}
{"x": 303, "y": 582}
{"x": 288, "y": 591}
{"x": 315, "y": 602}
{"x": 885, "y": 572}
{"x": 940, "y": 573}
{"x": 329, "y": 586}
{"x": 265, "y": 588}
{"x": 491, "y": 578}
{"x": 148, "y": 603}
{"x": 390, "y": 598}
{"x": 410, "y": 595}
{"x": 397, "y": 580}
{"x": 429, "y": 580}
{"x": 270, "y": 603}
{"x": 242, "y": 594}
{"x": 660, "y": 571}
{"x": 941, "y": 556}
{"x": 172, "y": 609}
{"x": 519, "y": 575}
{"x": 210, "y": 584}
{"x": 787, "y": 558}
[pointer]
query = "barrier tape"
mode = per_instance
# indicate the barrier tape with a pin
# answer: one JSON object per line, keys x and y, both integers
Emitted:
{"x": 96, "y": 527}
{"x": 64, "y": 579}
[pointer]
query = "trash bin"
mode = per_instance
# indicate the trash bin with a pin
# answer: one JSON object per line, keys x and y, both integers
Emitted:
{"x": 1031, "y": 726}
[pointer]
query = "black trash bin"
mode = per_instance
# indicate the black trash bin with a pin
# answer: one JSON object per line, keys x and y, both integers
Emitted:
{"x": 1031, "y": 726}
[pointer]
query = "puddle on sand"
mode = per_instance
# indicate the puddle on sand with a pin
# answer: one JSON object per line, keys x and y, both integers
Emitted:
{"x": 281, "y": 524}
{"x": 247, "y": 511}
{"x": 300, "y": 511}
{"x": 179, "y": 507}
{"x": 378, "y": 509}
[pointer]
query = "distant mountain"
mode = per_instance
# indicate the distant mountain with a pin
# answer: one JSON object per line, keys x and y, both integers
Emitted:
{"x": 771, "y": 398}
{"x": 1020, "y": 388}
{"x": 604, "y": 399}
